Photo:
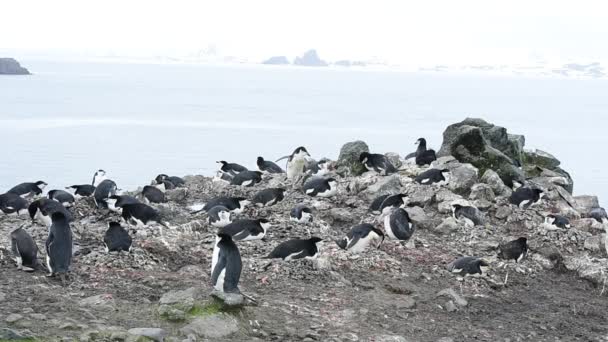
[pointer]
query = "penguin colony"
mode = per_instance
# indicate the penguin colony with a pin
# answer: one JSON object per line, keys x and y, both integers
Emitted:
{"x": 52, "y": 211}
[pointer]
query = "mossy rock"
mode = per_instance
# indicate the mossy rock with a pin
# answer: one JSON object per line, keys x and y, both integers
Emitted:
{"x": 348, "y": 161}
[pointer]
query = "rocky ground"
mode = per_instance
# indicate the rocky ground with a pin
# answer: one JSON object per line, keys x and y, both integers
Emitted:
{"x": 399, "y": 292}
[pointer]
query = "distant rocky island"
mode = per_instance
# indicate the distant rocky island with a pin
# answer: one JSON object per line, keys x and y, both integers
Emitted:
{"x": 310, "y": 58}
{"x": 277, "y": 60}
{"x": 10, "y": 66}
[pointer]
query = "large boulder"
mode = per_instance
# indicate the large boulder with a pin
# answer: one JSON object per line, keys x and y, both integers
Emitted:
{"x": 9, "y": 66}
{"x": 537, "y": 163}
{"x": 491, "y": 178}
{"x": 486, "y": 147}
{"x": 462, "y": 178}
{"x": 348, "y": 161}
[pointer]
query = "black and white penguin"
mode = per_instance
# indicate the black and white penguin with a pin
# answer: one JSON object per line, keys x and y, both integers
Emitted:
{"x": 398, "y": 225}
{"x": 321, "y": 187}
{"x": 526, "y": 197}
{"x": 246, "y": 229}
{"x": 247, "y": 178}
{"x": 235, "y": 204}
{"x": 59, "y": 246}
{"x": 301, "y": 214}
{"x": 141, "y": 215}
{"x": 42, "y": 209}
{"x": 80, "y": 191}
{"x": 514, "y": 250}
{"x": 424, "y": 156}
{"x": 268, "y": 197}
{"x": 13, "y": 204}
{"x": 557, "y": 221}
{"x": 377, "y": 203}
{"x": 433, "y": 176}
{"x": 467, "y": 266}
{"x": 177, "y": 181}
{"x": 226, "y": 265}
{"x": 470, "y": 215}
{"x": 223, "y": 177}
{"x": 219, "y": 216}
{"x": 296, "y": 249}
{"x": 164, "y": 186}
{"x": 231, "y": 168}
{"x": 116, "y": 202}
{"x": 98, "y": 177}
{"x": 268, "y": 166}
{"x": 25, "y": 250}
{"x": 599, "y": 214}
{"x": 103, "y": 191}
{"x": 377, "y": 162}
{"x": 296, "y": 162}
{"x": 63, "y": 197}
{"x": 360, "y": 237}
{"x": 28, "y": 190}
{"x": 152, "y": 194}
{"x": 117, "y": 238}
{"x": 394, "y": 201}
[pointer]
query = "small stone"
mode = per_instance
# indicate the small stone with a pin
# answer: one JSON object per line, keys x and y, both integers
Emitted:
{"x": 449, "y": 225}
{"x": 455, "y": 296}
{"x": 171, "y": 314}
{"x": 13, "y": 318}
{"x": 350, "y": 337}
{"x": 155, "y": 334}
{"x": 69, "y": 326}
{"x": 181, "y": 300}
{"x": 2, "y": 296}
{"x": 212, "y": 327}
{"x": 341, "y": 215}
{"x": 595, "y": 243}
{"x": 102, "y": 301}
{"x": 8, "y": 334}
{"x": 38, "y": 317}
{"x": 229, "y": 299}
{"x": 482, "y": 191}
{"x": 503, "y": 212}
{"x": 446, "y": 339}
{"x": 406, "y": 302}
{"x": 450, "y": 307}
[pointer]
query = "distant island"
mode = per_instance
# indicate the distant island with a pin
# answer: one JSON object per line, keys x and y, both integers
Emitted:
{"x": 277, "y": 60}
{"x": 310, "y": 58}
{"x": 10, "y": 66}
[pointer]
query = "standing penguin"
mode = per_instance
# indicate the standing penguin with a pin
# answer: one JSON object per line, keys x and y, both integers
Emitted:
{"x": 301, "y": 214}
{"x": 526, "y": 197}
{"x": 268, "y": 197}
{"x": 268, "y": 166}
{"x": 296, "y": 162}
{"x": 80, "y": 191}
{"x": 117, "y": 238}
{"x": 98, "y": 177}
{"x": 398, "y": 225}
{"x": 296, "y": 249}
{"x": 59, "y": 246}
{"x": 28, "y": 190}
{"x": 360, "y": 237}
{"x": 226, "y": 265}
{"x": 13, "y": 204}
{"x": 219, "y": 216}
{"x": 514, "y": 250}
{"x": 433, "y": 176}
{"x": 42, "y": 210}
{"x": 103, "y": 191}
{"x": 246, "y": 229}
{"x": 24, "y": 250}
{"x": 63, "y": 197}
{"x": 140, "y": 215}
{"x": 152, "y": 194}
{"x": 247, "y": 178}
{"x": 321, "y": 187}
{"x": 424, "y": 156}
{"x": 377, "y": 162}
{"x": 232, "y": 168}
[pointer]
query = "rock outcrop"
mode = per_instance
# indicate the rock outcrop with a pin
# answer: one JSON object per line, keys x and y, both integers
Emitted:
{"x": 277, "y": 60}
{"x": 10, "y": 66}
{"x": 310, "y": 58}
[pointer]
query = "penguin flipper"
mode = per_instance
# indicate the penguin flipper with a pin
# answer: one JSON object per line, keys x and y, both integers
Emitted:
{"x": 217, "y": 270}
{"x": 353, "y": 241}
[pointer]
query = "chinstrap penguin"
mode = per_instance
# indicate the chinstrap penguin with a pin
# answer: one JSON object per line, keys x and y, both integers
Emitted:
{"x": 321, "y": 187}
{"x": 63, "y": 197}
{"x": 219, "y": 216}
{"x": 25, "y": 250}
{"x": 13, "y": 204}
{"x": 226, "y": 265}
{"x": 117, "y": 238}
{"x": 268, "y": 166}
{"x": 28, "y": 190}
{"x": 296, "y": 249}
{"x": 398, "y": 225}
{"x": 268, "y": 197}
{"x": 377, "y": 162}
{"x": 246, "y": 229}
{"x": 433, "y": 176}
{"x": 301, "y": 214}
{"x": 514, "y": 250}
{"x": 360, "y": 237}
{"x": 247, "y": 178}
{"x": 59, "y": 246}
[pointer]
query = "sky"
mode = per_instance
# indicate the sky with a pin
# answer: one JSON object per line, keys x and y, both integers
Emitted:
{"x": 405, "y": 32}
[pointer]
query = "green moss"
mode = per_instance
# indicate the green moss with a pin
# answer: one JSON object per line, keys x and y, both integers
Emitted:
{"x": 211, "y": 308}
{"x": 19, "y": 340}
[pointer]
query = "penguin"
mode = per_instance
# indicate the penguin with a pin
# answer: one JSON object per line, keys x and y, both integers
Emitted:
{"x": 140, "y": 215}
{"x": 13, "y": 204}
{"x": 394, "y": 201}
{"x": 424, "y": 156}
{"x": 321, "y": 187}
{"x": 219, "y": 216}
{"x": 232, "y": 168}
{"x": 152, "y": 194}
{"x": 470, "y": 215}
{"x": 377, "y": 162}
{"x": 433, "y": 176}
{"x": 268, "y": 166}
{"x": 177, "y": 181}
{"x": 247, "y": 178}
{"x": 377, "y": 203}
{"x": 317, "y": 168}
{"x": 268, "y": 197}
{"x": 557, "y": 221}
{"x": 117, "y": 238}
{"x": 103, "y": 191}
{"x": 398, "y": 225}
{"x": 235, "y": 204}
{"x": 223, "y": 177}
{"x": 116, "y": 202}
{"x": 59, "y": 246}
{"x": 164, "y": 186}
{"x": 246, "y": 229}
{"x": 226, "y": 265}
{"x": 514, "y": 250}
{"x": 599, "y": 214}
{"x": 467, "y": 266}
{"x": 359, "y": 238}
{"x": 296, "y": 249}
{"x": 24, "y": 250}
{"x": 98, "y": 177}
{"x": 526, "y": 197}
{"x": 63, "y": 197}
{"x": 80, "y": 191}
{"x": 301, "y": 214}
{"x": 28, "y": 190}
{"x": 42, "y": 210}
{"x": 296, "y": 162}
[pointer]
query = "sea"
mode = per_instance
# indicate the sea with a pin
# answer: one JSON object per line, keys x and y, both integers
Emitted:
{"x": 135, "y": 121}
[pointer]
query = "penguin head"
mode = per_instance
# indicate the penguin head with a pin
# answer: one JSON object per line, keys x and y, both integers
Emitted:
{"x": 300, "y": 153}
{"x": 420, "y": 142}
{"x": 332, "y": 181}
{"x": 341, "y": 243}
{"x": 456, "y": 206}
{"x": 523, "y": 242}
{"x": 100, "y": 173}
{"x": 445, "y": 173}
{"x": 41, "y": 185}
{"x": 113, "y": 201}
{"x": 243, "y": 202}
{"x": 260, "y": 161}
{"x": 315, "y": 239}
{"x": 264, "y": 223}
{"x": 114, "y": 225}
{"x": 161, "y": 186}
{"x": 539, "y": 192}
{"x": 363, "y": 157}
{"x": 160, "y": 178}
{"x": 51, "y": 193}
{"x": 550, "y": 218}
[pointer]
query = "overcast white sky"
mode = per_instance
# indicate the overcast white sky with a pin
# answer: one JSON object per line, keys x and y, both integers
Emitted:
{"x": 408, "y": 32}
